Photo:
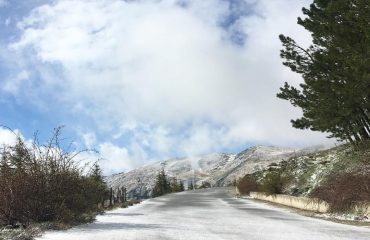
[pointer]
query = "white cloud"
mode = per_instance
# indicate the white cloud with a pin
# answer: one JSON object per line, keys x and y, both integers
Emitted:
{"x": 8, "y": 137}
{"x": 116, "y": 159}
{"x": 110, "y": 157}
{"x": 169, "y": 76}
{"x": 89, "y": 139}
{"x": 16, "y": 82}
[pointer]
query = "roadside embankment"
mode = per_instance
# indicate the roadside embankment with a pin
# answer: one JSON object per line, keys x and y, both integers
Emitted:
{"x": 303, "y": 203}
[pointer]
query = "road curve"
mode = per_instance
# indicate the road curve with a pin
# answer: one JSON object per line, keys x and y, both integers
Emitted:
{"x": 207, "y": 214}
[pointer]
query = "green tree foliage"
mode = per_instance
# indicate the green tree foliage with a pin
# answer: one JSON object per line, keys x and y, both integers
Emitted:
{"x": 177, "y": 186}
{"x": 45, "y": 183}
{"x": 182, "y": 187}
{"x": 274, "y": 182}
{"x": 335, "y": 95}
{"x": 190, "y": 185}
{"x": 100, "y": 191}
{"x": 162, "y": 185}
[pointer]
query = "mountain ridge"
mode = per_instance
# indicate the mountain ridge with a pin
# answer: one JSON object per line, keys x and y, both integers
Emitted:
{"x": 215, "y": 169}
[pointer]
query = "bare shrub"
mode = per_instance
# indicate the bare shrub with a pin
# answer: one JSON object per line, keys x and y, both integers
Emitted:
{"x": 45, "y": 183}
{"x": 247, "y": 184}
{"x": 342, "y": 191}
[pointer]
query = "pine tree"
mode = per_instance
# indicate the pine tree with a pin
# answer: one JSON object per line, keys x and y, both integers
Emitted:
{"x": 190, "y": 185}
{"x": 182, "y": 187}
{"x": 177, "y": 186}
{"x": 96, "y": 173}
{"x": 99, "y": 190}
{"x": 335, "y": 95}
{"x": 162, "y": 185}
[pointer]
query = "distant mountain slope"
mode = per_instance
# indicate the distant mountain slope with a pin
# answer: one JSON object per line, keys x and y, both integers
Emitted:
{"x": 217, "y": 169}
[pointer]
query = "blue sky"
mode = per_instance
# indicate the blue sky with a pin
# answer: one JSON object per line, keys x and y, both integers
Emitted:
{"x": 148, "y": 80}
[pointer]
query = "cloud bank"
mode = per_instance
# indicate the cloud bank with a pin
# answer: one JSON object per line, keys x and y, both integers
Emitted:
{"x": 8, "y": 137}
{"x": 166, "y": 78}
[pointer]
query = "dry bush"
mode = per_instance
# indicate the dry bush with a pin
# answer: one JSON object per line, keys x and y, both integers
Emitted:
{"x": 342, "y": 191}
{"x": 45, "y": 183}
{"x": 247, "y": 184}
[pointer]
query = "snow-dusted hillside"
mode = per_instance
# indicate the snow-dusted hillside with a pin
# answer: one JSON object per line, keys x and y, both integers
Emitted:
{"x": 217, "y": 169}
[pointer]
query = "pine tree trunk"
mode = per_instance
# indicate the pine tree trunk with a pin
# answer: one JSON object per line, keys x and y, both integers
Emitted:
{"x": 363, "y": 133}
{"x": 111, "y": 197}
{"x": 357, "y": 137}
{"x": 366, "y": 125}
{"x": 349, "y": 138}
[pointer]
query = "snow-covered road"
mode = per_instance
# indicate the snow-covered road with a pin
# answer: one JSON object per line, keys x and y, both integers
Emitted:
{"x": 207, "y": 214}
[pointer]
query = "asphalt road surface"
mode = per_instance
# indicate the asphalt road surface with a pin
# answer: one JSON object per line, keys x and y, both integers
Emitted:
{"x": 207, "y": 214}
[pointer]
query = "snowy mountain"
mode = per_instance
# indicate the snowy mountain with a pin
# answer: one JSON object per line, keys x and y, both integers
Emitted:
{"x": 216, "y": 169}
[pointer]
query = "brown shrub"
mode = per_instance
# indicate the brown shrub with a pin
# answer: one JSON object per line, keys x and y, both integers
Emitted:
{"x": 342, "y": 191}
{"x": 247, "y": 184}
{"x": 45, "y": 183}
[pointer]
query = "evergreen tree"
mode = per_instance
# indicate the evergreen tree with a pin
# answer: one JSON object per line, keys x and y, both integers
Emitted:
{"x": 190, "y": 185}
{"x": 182, "y": 187}
{"x": 162, "y": 185}
{"x": 177, "y": 186}
{"x": 96, "y": 173}
{"x": 335, "y": 95}
{"x": 99, "y": 191}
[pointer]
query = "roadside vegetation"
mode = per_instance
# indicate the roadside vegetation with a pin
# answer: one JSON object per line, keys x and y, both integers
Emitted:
{"x": 335, "y": 99}
{"x": 45, "y": 183}
{"x": 340, "y": 176}
{"x": 335, "y": 94}
{"x": 165, "y": 185}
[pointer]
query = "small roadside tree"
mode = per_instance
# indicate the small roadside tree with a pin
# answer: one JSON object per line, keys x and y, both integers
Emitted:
{"x": 190, "y": 185}
{"x": 162, "y": 185}
{"x": 100, "y": 192}
{"x": 182, "y": 187}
